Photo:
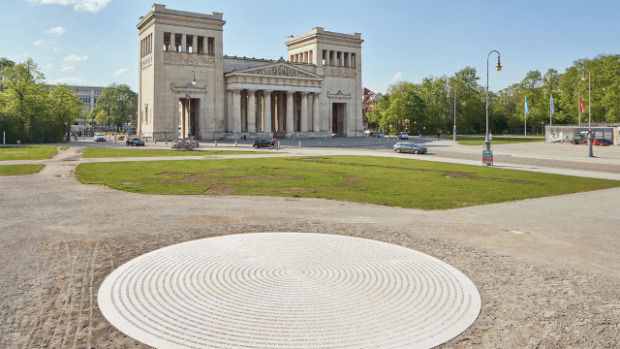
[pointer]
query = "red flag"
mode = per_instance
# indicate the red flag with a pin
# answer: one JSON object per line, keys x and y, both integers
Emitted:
{"x": 582, "y": 107}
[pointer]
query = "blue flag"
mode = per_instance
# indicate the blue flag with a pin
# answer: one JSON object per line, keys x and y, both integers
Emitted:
{"x": 552, "y": 106}
{"x": 527, "y": 107}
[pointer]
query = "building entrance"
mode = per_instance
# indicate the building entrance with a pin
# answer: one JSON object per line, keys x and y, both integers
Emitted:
{"x": 189, "y": 111}
{"x": 338, "y": 119}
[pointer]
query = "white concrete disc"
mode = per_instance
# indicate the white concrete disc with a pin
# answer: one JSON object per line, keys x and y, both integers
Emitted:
{"x": 288, "y": 290}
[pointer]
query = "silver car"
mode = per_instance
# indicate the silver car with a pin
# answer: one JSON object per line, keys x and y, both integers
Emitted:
{"x": 409, "y": 147}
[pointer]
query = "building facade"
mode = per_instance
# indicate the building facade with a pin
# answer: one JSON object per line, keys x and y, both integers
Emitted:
{"x": 189, "y": 88}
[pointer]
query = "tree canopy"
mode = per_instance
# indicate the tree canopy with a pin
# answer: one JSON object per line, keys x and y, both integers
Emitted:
{"x": 429, "y": 104}
{"x": 34, "y": 112}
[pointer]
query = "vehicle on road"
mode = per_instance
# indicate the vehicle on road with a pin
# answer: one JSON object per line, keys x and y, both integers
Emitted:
{"x": 378, "y": 134}
{"x": 409, "y": 147}
{"x": 135, "y": 141}
{"x": 261, "y": 143}
{"x": 403, "y": 135}
{"x": 99, "y": 137}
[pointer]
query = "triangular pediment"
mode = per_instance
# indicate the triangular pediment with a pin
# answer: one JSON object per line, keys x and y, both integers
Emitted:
{"x": 278, "y": 69}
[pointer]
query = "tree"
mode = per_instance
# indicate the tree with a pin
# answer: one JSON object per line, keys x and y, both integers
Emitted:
{"x": 24, "y": 97}
{"x": 64, "y": 106}
{"x": 119, "y": 103}
{"x": 471, "y": 101}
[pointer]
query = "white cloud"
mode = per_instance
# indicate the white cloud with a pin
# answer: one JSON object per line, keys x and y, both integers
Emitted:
{"x": 75, "y": 58}
{"x": 397, "y": 77}
{"x": 67, "y": 68}
{"x": 57, "y": 49}
{"x": 49, "y": 66}
{"x": 56, "y": 31}
{"x": 39, "y": 43}
{"x": 121, "y": 72}
{"x": 78, "y": 5}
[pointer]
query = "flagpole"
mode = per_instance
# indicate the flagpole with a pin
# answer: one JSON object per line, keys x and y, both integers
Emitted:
{"x": 550, "y": 108}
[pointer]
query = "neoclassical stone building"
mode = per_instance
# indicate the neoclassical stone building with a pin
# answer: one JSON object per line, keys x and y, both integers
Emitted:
{"x": 188, "y": 87}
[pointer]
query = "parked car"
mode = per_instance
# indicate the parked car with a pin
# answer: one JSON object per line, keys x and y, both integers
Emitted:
{"x": 378, "y": 134}
{"x": 403, "y": 135}
{"x": 99, "y": 137}
{"x": 135, "y": 141}
{"x": 409, "y": 147}
{"x": 261, "y": 143}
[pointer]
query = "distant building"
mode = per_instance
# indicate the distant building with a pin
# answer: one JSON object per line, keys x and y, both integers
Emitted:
{"x": 87, "y": 94}
{"x": 189, "y": 88}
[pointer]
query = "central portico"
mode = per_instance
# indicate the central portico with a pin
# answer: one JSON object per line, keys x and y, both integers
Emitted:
{"x": 190, "y": 89}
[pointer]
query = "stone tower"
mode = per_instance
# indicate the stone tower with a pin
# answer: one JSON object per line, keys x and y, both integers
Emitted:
{"x": 181, "y": 84}
{"x": 338, "y": 57}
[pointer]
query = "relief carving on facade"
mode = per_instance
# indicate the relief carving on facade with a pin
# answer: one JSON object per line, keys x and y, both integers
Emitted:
{"x": 339, "y": 95}
{"x": 146, "y": 61}
{"x": 340, "y": 72}
{"x": 279, "y": 70}
{"x": 188, "y": 59}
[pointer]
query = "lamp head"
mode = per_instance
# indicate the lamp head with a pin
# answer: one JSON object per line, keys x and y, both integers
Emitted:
{"x": 499, "y": 65}
{"x": 583, "y": 76}
{"x": 193, "y": 82}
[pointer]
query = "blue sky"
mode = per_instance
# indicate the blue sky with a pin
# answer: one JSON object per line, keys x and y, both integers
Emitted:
{"x": 95, "y": 42}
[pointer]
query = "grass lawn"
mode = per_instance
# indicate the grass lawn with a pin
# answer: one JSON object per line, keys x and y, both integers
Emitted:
{"x": 479, "y": 139}
{"x": 96, "y": 152}
{"x": 27, "y": 152}
{"x": 384, "y": 181}
{"x": 16, "y": 170}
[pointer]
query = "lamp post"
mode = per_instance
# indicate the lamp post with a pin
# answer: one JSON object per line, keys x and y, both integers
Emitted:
{"x": 487, "y": 141}
{"x": 189, "y": 105}
{"x": 454, "y": 127}
{"x": 583, "y": 77}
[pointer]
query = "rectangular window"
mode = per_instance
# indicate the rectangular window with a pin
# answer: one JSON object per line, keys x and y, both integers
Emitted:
{"x": 324, "y": 58}
{"x": 353, "y": 60}
{"x": 211, "y": 46}
{"x": 166, "y": 41}
{"x": 201, "y": 44}
{"x": 346, "y": 59}
{"x": 146, "y": 113}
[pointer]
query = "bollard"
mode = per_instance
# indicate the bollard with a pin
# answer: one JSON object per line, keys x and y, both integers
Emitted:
{"x": 215, "y": 143}
{"x": 300, "y": 144}
{"x": 235, "y": 143}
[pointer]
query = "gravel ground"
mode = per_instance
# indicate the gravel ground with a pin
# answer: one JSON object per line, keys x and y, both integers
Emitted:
{"x": 547, "y": 269}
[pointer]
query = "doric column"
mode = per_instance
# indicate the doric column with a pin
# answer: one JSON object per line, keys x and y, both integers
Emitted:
{"x": 251, "y": 111}
{"x": 183, "y": 43}
{"x": 316, "y": 112}
{"x": 229, "y": 111}
{"x": 194, "y": 44}
{"x": 303, "y": 127}
{"x": 236, "y": 111}
{"x": 267, "y": 111}
{"x": 290, "y": 111}
{"x": 281, "y": 111}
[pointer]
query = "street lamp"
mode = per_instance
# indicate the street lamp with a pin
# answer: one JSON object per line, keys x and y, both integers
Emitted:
{"x": 454, "y": 127}
{"x": 189, "y": 105}
{"x": 487, "y": 141}
{"x": 583, "y": 78}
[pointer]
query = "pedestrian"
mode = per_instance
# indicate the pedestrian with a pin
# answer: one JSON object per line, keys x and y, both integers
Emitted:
{"x": 438, "y": 135}
{"x": 272, "y": 143}
{"x": 245, "y": 138}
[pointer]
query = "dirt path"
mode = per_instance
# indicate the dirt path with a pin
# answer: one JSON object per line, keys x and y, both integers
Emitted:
{"x": 546, "y": 268}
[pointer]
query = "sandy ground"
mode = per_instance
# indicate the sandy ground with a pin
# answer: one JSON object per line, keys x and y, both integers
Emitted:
{"x": 547, "y": 269}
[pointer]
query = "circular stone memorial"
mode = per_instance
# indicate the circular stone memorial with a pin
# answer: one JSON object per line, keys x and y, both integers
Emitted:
{"x": 288, "y": 290}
